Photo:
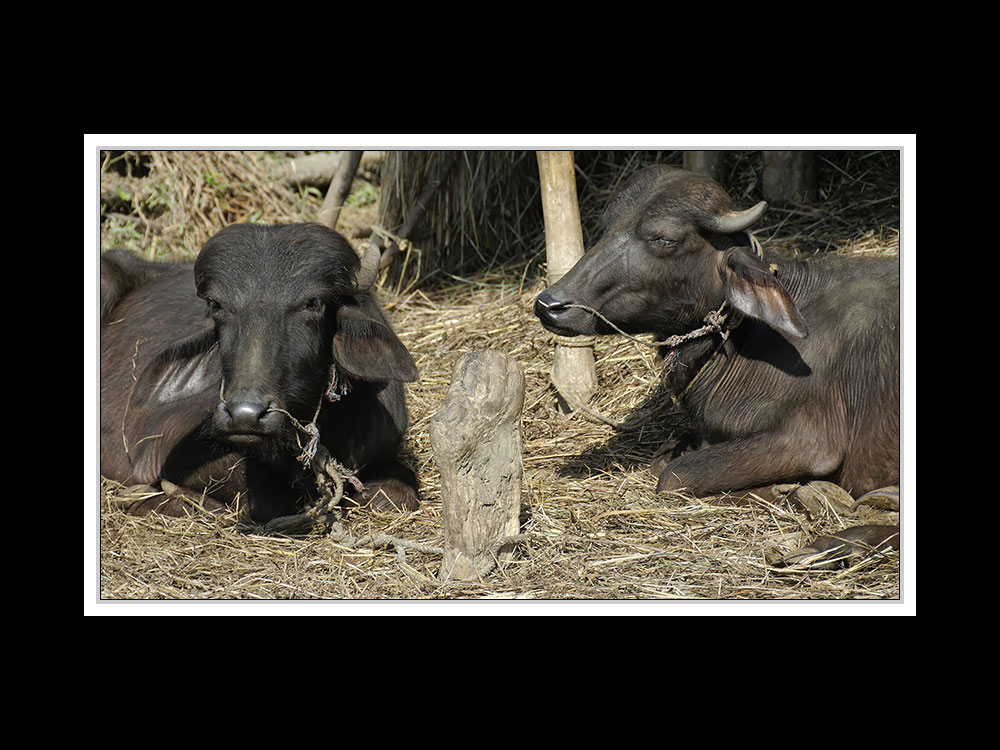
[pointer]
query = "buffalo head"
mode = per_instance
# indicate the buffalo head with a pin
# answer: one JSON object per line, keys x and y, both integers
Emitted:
{"x": 210, "y": 385}
{"x": 283, "y": 304}
{"x": 673, "y": 250}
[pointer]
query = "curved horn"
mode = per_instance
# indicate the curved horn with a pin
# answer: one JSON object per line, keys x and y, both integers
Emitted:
{"x": 735, "y": 221}
{"x": 369, "y": 270}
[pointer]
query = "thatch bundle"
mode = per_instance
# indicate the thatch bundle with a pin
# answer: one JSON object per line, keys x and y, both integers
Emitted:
{"x": 595, "y": 529}
{"x": 485, "y": 210}
{"x": 481, "y": 213}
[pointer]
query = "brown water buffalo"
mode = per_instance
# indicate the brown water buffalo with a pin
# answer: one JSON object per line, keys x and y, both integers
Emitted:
{"x": 204, "y": 364}
{"x": 806, "y": 385}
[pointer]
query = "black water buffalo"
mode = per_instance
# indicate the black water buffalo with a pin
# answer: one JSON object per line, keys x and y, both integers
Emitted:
{"x": 807, "y": 383}
{"x": 203, "y": 363}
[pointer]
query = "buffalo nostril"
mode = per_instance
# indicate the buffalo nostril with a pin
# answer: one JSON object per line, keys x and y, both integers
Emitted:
{"x": 546, "y": 305}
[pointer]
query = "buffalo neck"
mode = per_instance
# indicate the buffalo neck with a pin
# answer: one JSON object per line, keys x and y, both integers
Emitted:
{"x": 705, "y": 359}
{"x": 684, "y": 362}
{"x": 793, "y": 274}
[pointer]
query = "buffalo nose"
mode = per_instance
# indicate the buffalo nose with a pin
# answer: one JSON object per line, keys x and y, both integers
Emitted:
{"x": 547, "y": 306}
{"x": 247, "y": 413}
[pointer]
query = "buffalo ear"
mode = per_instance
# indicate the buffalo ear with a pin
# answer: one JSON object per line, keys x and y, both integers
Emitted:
{"x": 752, "y": 289}
{"x": 365, "y": 347}
{"x": 186, "y": 368}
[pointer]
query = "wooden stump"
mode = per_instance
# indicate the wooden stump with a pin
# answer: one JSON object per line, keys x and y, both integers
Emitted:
{"x": 573, "y": 371}
{"x": 476, "y": 439}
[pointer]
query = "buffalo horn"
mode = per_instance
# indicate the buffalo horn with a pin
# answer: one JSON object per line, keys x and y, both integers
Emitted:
{"x": 369, "y": 269}
{"x": 735, "y": 221}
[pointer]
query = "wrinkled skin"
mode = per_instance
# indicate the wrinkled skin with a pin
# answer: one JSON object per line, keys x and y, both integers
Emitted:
{"x": 806, "y": 386}
{"x": 202, "y": 364}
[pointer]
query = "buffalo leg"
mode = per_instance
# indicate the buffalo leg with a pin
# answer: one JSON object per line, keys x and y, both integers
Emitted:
{"x": 745, "y": 462}
{"x": 176, "y": 501}
{"x": 388, "y": 485}
{"x": 267, "y": 494}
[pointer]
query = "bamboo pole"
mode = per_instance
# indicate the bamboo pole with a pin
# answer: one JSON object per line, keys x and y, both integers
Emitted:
{"x": 573, "y": 363}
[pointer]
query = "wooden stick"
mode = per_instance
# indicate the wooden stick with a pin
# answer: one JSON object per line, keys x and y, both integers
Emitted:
{"x": 340, "y": 187}
{"x": 313, "y": 170}
{"x": 573, "y": 363}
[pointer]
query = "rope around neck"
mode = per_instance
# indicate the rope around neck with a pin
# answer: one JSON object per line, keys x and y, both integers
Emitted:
{"x": 715, "y": 322}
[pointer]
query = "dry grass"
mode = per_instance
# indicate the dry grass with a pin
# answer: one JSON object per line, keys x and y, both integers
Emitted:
{"x": 595, "y": 527}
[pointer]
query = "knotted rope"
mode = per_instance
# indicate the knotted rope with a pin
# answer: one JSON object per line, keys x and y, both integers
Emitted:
{"x": 327, "y": 471}
{"x": 715, "y": 322}
{"x": 337, "y": 387}
{"x": 314, "y": 455}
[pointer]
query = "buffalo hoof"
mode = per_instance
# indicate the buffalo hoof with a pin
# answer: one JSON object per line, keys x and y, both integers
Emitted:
{"x": 845, "y": 548}
{"x": 165, "y": 506}
{"x": 821, "y": 499}
{"x": 659, "y": 464}
{"x": 886, "y": 498}
{"x": 388, "y": 495}
{"x": 669, "y": 482}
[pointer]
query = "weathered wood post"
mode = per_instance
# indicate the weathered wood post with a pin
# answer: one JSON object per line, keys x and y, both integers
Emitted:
{"x": 708, "y": 163}
{"x": 573, "y": 364}
{"x": 476, "y": 440}
{"x": 789, "y": 176}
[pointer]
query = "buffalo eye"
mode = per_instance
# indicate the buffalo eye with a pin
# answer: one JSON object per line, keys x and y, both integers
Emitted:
{"x": 213, "y": 306}
{"x": 314, "y": 305}
{"x": 663, "y": 243}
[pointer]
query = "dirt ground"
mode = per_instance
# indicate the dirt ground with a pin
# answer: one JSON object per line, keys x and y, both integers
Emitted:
{"x": 594, "y": 529}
